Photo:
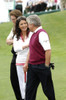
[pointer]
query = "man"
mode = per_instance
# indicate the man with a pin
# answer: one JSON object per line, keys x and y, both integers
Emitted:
{"x": 49, "y": 5}
{"x": 57, "y": 3}
{"x": 19, "y": 5}
{"x": 39, "y": 59}
{"x": 63, "y": 4}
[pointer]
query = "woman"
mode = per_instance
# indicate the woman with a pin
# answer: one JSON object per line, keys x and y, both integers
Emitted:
{"x": 21, "y": 43}
{"x": 13, "y": 74}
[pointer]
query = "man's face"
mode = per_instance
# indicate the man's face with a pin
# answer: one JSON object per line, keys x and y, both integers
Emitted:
{"x": 30, "y": 27}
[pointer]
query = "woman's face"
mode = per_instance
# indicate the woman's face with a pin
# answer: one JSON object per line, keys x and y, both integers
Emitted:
{"x": 13, "y": 18}
{"x": 23, "y": 25}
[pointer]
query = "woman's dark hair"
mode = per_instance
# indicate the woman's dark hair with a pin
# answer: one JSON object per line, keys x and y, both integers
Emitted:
{"x": 17, "y": 31}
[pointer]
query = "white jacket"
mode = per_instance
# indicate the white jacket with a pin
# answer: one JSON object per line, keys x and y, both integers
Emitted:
{"x": 21, "y": 53}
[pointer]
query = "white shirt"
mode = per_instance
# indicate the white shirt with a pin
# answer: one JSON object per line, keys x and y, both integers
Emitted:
{"x": 35, "y": 2}
{"x": 10, "y": 36}
{"x": 43, "y": 39}
{"x": 30, "y": 2}
{"x": 21, "y": 53}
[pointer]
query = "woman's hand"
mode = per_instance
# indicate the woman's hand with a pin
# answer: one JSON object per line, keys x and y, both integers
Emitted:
{"x": 25, "y": 67}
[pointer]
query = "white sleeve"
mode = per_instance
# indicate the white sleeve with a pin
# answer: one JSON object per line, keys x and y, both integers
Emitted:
{"x": 44, "y": 41}
{"x": 10, "y": 36}
{"x": 17, "y": 44}
{"x": 30, "y": 34}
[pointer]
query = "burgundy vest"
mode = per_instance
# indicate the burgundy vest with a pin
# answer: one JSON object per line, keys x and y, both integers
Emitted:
{"x": 37, "y": 53}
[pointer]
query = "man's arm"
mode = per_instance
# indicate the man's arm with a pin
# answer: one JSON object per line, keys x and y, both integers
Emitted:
{"x": 44, "y": 41}
{"x": 25, "y": 67}
{"x": 47, "y": 57}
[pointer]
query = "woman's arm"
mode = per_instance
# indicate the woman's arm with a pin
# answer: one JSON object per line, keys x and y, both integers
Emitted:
{"x": 25, "y": 46}
{"x": 25, "y": 67}
{"x": 17, "y": 44}
{"x": 9, "y": 42}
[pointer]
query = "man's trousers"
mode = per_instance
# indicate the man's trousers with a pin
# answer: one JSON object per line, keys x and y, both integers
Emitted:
{"x": 39, "y": 74}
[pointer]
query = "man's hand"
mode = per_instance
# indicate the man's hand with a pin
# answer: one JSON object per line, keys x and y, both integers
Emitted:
{"x": 52, "y": 65}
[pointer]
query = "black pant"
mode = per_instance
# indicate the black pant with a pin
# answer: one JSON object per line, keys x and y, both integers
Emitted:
{"x": 14, "y": 79}
{"x": 43, "y": 6}
{"x": 19, "y": 7}
{"x": 35, "y": 75}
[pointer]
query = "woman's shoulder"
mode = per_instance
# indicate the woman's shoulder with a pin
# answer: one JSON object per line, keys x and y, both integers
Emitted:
{"x": 15, "y": 38}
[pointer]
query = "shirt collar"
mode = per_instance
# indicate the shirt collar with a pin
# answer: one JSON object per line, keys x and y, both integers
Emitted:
{"x": 40, "y": 27}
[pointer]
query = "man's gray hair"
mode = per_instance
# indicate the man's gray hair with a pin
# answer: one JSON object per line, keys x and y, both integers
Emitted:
{"x": 34, "y": 19}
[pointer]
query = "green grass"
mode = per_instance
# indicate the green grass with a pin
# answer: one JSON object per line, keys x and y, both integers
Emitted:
{"x": 55, "y": 25}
